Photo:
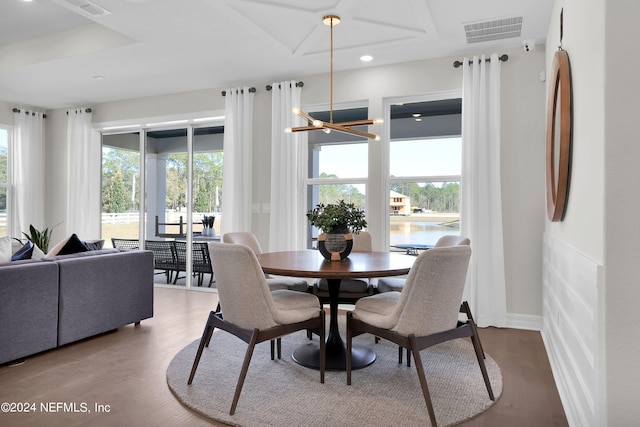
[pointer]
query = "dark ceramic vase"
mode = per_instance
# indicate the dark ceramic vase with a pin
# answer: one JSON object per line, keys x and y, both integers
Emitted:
{"x": 336, "y": 245}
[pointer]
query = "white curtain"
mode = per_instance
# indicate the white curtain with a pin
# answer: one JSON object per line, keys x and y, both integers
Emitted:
{"x": 236, "y": 174}
{"x": 287, "y": 226}
{"x": 83, "y": 176}
{"x": 481, "y": 205}
{"x": 27, "y": 173}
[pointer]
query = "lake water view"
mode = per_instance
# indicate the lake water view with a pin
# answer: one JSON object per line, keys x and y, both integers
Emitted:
{"x": 422, "y": 229}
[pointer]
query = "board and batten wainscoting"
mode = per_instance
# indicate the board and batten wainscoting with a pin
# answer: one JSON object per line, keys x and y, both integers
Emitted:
{"x": 573, "y": 330}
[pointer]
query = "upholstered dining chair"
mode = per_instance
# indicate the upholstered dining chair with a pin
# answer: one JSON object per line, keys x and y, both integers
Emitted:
{"x": 396, "y": 284}
{"x": 252, "y": 312}
{"x": 424, "y": 314}
{"x": 389, "y": 284}
{"x": 249, "y": 239}
{"x": 350, "y": 289}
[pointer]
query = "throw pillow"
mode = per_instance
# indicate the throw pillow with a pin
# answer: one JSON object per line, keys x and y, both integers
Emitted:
{"x": 24, "y": 252}
{"x": 37, "y": 253}
{"x": 73, "y": 246}
{"x": 54, "y": 251}
{"x": 93, "y": 245}
{"x": 5, "y": 249}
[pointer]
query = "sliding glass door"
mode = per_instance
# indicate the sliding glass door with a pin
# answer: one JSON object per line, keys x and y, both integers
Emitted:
{"x": 181, "y": 169}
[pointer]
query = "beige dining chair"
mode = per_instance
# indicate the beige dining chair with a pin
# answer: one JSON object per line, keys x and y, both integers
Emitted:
{"x": 249, "y": 239}
{"x": 395, "y": 284}
{"x": 252, "y": 312}
{"x": 424, "y": 314}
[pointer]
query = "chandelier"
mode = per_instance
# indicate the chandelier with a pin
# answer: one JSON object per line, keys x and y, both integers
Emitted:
{"x": 327, "y": 127}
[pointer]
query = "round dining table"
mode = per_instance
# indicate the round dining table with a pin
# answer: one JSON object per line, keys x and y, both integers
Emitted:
{"x": 311, "y": 263}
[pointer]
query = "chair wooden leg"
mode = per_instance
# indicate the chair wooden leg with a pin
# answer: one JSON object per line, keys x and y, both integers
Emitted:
{"x": 323, "y": 353}
{"x": 273, "y": 344}
{"x": 279, "y": 347}
{"x": 480, "y": 356}
{"x": 206, "y": 336}
{"x": 400, "y": 356}
{"x": 349, "y": 347}
{"x": 243, "y": 372}
{"x": 422, "y": 378}
{"x": 464, "y": 308}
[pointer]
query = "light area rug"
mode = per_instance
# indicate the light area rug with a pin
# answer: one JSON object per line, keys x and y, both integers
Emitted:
{"x": 283, "y": 393}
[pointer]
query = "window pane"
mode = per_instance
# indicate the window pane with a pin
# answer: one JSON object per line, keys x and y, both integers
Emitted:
{"x": 4, "y": 159}
{"x": 120, "y": 183}
{"x": 3, "y": 211}
{"x": 4, "y": 166}
{"x": 426, "y": 157}
{"x": 434, "y": 211}
{"x": 349, "y": 160}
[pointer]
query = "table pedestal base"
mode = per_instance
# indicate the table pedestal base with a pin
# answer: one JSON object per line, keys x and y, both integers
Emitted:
{"x": 309, "y": 355}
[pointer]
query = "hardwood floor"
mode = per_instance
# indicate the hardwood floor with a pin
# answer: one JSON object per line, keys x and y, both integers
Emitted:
{"x": 124, "y": 371}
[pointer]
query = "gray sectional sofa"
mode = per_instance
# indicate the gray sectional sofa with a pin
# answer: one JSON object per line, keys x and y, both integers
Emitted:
{"x": 47, "y": 303}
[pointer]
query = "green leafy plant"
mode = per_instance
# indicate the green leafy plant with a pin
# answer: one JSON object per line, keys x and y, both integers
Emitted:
{"x": 333, "y": 215}
{"x": 40, "y": 238}
{"x": 208, "y": 221}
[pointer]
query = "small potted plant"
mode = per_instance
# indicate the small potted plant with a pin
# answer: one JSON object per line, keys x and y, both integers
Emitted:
{"x": 337, "y": 221}
{"x": 207, "y": 223}
{"x": 40, "y": 238}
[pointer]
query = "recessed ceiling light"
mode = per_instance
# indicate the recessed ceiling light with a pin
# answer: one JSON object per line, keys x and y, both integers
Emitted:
{"x": 366, "y": 58}
{"x": 418, "y": 120}
{"x": 417, "y": 115}
{"x": 99, "y": 77}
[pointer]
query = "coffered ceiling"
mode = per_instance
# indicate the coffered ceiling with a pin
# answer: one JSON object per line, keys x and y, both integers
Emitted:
{"x": 62, "y": 53}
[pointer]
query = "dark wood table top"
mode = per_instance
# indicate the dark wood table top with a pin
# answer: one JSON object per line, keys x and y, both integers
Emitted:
{"x": 311, "y": 263}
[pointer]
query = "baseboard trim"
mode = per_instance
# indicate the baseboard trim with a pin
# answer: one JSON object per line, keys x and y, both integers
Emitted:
{"x": 524, "y": 321}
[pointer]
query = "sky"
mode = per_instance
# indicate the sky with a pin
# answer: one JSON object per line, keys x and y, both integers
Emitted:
{"x": 427, "y": 157}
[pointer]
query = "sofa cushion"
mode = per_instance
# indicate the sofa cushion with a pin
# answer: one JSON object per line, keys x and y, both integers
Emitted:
{"x": 24, "y": 252}
{"x": 5, "y": 249}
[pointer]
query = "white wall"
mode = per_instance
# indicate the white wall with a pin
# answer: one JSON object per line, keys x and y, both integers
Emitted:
{"x": 621, "y": 208}
{"x": 591, "y": 291}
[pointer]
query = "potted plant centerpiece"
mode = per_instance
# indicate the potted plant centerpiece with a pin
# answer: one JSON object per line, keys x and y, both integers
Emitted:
{"x": 207, "y": 223}
{"x": 337, "y": 221}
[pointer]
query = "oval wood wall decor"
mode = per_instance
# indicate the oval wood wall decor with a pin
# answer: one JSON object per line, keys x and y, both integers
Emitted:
{"x": 558, "y": 137}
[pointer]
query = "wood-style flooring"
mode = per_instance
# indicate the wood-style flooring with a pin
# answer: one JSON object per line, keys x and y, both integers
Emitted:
{"x": 123, "y": 373}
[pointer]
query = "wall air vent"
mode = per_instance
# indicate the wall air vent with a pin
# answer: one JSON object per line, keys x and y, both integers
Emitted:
{"x": 87, "y": 8}
{"x": 493, "y": 30}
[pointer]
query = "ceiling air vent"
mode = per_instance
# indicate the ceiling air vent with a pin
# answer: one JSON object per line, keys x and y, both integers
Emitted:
{"x": 493, "y": 30}
{"x": 88, "y": 8}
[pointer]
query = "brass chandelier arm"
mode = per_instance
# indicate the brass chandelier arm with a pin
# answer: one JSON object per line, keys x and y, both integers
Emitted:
{"x": 349, "y": 130}
{"x": 303, "y": 129}
{"x": 306, "y": 116}
{"x": 344, "y": 127}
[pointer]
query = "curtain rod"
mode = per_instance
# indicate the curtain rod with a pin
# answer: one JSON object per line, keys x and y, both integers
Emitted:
{"x": 88, "y": 110}
{"x": 251, "y": 90}
{"x": 503, "y": 58}
{"x": 33, "y": 113}
{"x": 298, "y": 84}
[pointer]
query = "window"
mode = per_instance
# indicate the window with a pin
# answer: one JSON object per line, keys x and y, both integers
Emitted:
{"x": 181, "y": 169}
{"x": 338, "y": 164}
{"x": 4, "y": 180}
{"x": 425, "y": 163}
